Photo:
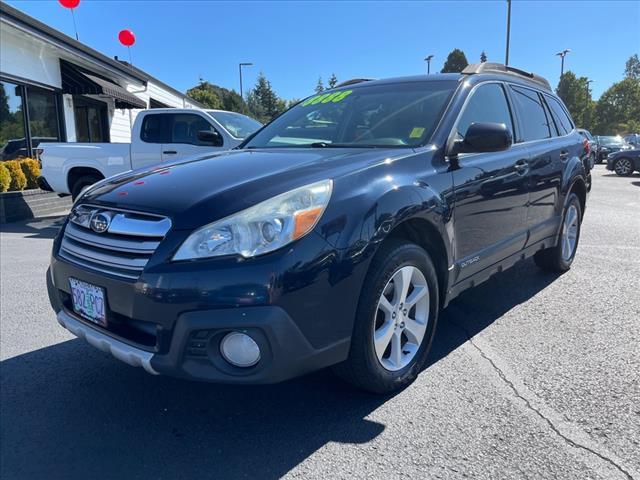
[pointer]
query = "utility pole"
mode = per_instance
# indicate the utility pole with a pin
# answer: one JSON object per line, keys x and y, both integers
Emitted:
{"x": 240, "y": 65}
{"x": 428, "y": 60}
{"x": 506, "y": 57}
{"x": 562, "y": 54}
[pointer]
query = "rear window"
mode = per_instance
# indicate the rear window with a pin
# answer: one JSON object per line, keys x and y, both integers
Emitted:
{"x": 152, "y": 129}
{"x": 392, "y": 115}
{"x": 563, "y": 122}
{"x": 528, "y": 104}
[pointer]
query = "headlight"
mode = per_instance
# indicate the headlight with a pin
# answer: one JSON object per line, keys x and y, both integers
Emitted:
{"x": 262, "y": 228}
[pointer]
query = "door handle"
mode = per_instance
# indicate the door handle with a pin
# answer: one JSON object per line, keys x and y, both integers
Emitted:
{"x": 521, "y": 166}
{"x": 169, "y": 152}
{"x": 564, "y": 154}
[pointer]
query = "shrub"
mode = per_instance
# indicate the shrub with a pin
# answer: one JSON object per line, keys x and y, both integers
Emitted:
{"x": 5, "y": 178}
{"x": 31, "y": 170}
{"x": 18, "y": 180}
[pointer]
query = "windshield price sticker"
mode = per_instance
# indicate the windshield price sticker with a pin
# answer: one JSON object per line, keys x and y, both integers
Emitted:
{"x": 334, "y": 97}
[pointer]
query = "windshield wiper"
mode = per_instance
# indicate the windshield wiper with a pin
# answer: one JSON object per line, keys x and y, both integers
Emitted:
{"x": 319, "y": 145}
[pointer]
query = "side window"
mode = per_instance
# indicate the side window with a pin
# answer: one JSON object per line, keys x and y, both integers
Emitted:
{"x": 528, "y": 104}
{"x": 560, "y": 116}
{"x": 488, "y": 104}
{"x": 151, "y": 131}
{"x": 184, "y": 128}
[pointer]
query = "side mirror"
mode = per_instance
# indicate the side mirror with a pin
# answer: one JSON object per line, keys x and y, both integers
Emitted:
{"x": 210, "y": 137}
{"x": 484, "y": 137}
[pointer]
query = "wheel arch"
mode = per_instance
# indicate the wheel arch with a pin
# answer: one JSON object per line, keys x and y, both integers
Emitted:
{"x": 75, "y": 173}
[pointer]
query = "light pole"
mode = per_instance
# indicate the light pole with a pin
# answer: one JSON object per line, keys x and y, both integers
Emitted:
{"x": 428, "y": 60}
{"x": 240, "y": 65}
{"x": 588, "y": 90}
{"x": 562, "y": 54}
{"x": 506, "y": 56}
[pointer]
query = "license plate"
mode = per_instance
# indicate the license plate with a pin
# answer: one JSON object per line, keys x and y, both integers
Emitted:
{"x": 88, "y": 301}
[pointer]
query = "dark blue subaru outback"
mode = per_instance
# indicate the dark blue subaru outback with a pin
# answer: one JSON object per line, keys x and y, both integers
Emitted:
{"x": 332, "y": 237}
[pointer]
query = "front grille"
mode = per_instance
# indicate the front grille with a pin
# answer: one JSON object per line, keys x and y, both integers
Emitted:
{"x": 122, "y": 250}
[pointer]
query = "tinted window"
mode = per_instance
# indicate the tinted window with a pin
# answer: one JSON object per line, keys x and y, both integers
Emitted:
{"x": 487, "y": 104}
{"x": 533, "y": 119}
{"x": 43, "y": 115}
{"x": 12, "y": 136}
{"x": 152, "y": 129}
{"x": 184, "y": 128}
{"x": 563, "y": 122}
{"x": 392, "y": 115}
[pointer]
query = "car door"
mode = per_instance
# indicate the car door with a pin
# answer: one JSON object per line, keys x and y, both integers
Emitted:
{"x": 146, "y": 142}
{"x": 490, "y": 191}
{"x": 183, "y": 138}
{"x": 547, "y": 155}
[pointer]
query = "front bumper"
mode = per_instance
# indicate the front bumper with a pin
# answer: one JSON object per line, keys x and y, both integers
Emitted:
{"x": 611, "y": 162}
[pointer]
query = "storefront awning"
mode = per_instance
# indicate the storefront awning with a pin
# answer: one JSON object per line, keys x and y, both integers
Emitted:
{"x": 78, "y": 81}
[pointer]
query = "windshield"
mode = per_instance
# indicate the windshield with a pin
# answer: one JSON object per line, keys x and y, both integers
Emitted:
{"x": 610, "y": 140}
{"x": 394, "y": 115}
{"x": 238, "y": 125}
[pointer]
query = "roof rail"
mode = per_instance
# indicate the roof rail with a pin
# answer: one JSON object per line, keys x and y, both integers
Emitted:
{"x": 489, "y": 67}
{"x": 353, "y": 81}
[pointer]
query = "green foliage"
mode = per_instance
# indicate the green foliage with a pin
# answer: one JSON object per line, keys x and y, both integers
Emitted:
{"x": 216, "y": 97}
{"x": 263, "y": 102}
{"x": 618, "y": 109}
{"x": 5, "y": 178}
{"x": 18, "y": 180}
{"x": 319, "y": 86}
{"x": 632, "y": 67}
{"x": 483, "y": 57}
{"x": 31, "y": 170}
{"x": 333, "y": 80}
{"x": 456, "y": 62}
{"x": 575, "y": 94}
{"x": 205, "y": 95}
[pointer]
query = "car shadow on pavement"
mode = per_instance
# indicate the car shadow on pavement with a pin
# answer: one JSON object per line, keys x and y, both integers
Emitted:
{"x": 45, "y": 227}
{"x": 69, "y": 411}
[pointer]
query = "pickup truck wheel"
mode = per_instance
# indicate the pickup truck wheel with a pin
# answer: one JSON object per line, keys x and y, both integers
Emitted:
{"x": 560, "y": 257}
{"x": 623, "y": 167}
{"x": 395, "y": 322}
{"x": 82, "y": 183}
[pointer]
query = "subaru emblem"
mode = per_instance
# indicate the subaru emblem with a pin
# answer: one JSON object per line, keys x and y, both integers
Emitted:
{"x": 100, "y": 222}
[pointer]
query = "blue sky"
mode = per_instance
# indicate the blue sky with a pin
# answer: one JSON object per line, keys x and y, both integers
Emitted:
{"x": 295, "y": 42}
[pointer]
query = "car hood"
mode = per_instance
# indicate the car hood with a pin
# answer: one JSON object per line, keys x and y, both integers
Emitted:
{"x": 198, "y": 191}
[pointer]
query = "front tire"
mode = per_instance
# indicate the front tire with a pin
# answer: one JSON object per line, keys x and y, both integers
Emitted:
{"x": 82, "y": 183}
{"x": 395, "y": 321}
{"x": 623, "y": 167}
{"x": 560, "y": 257}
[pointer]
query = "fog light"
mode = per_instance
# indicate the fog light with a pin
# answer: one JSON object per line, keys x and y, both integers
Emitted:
{"x": 240, "y": 350}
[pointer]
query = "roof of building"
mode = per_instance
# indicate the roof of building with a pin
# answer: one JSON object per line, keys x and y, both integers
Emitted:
{"x": 15, "y": 15}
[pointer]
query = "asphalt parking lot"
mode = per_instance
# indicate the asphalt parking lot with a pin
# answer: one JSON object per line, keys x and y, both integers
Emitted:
{"x": 532, "y": 375}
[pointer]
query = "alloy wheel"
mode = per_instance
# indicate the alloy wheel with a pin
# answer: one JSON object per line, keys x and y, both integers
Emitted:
{"x": 623, "y": 167}
{"x": 401, "y": 318}
{"x": 570, "y": 233}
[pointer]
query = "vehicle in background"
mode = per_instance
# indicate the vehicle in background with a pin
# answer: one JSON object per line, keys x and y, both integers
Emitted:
{"x": 158, "y": 135}
{"x": 632, "y": 139}
{"x": 17, "y": 148}
{"x": 624, "y": 162}
{"x": 609, "y": 144}
{"x": 593, "y": 145}
{"x": 332, "y": 237}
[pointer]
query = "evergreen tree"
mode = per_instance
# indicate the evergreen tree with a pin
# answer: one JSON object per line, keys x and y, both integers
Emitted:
{"x": 263, "y": 102}
{"x": 456, "y": 62}
{"x": 333, "y": 80}
{"x": 483, "y": 57}
{"x": 632, "y": 67}
{"x": 575, "y": 94}
{"x": 319, "y": 86}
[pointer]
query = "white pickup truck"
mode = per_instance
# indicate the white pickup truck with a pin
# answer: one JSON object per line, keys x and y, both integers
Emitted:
{"x": 158, "y": 135}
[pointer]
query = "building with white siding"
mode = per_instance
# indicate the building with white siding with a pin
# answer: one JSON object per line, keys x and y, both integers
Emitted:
{"x": 54, "y": 88}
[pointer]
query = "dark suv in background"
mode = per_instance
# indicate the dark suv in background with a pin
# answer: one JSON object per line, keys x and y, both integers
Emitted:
{"x": 332, "y": 237}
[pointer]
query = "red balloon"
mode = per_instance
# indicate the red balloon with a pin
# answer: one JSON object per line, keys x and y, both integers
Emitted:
{"x": 69, "y": 3}
{"x": 127, "y": 38}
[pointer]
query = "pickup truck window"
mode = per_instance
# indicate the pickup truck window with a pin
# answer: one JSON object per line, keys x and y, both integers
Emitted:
{"x": 151, "y": 131}
{"x": 487, "y": 104}
{"x": 238, "y": 125}
{"x": 363, "y": 116}
{"x": 184, "y": 128}
{"x": 528, "y": 104}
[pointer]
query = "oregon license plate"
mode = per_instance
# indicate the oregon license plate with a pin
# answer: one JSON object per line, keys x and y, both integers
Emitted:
{"x": 88, "y": 301}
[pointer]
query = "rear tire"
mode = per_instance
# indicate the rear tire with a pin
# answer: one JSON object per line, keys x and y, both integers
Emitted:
{"x": 560, "y": 257}
{"x": 624, "y": 167}
{"x": 394, "y": 324}
{"x": 82, "y": 183}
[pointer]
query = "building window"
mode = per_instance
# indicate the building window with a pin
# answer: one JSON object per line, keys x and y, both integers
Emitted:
{"x": 92, "y": 124}
{"x": 12, "y": 137}
{"x": 153, "y": 103}
{"x": 22, "y": 106}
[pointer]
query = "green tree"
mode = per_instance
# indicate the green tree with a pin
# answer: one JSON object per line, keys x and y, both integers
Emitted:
{"x": 319, "y": 86}
{"x": 333, "y": 80}
{"x": 214, "y": 96}
{"x": 483, "y": 57}
{"x": 632, "y": 67}
{"x": 575, "y": 94}
{"x": 205, "y": 95}
{"x": 263, "y": 102}
{"x": 618, "y": 109}
{"x": 456, "y": 62}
